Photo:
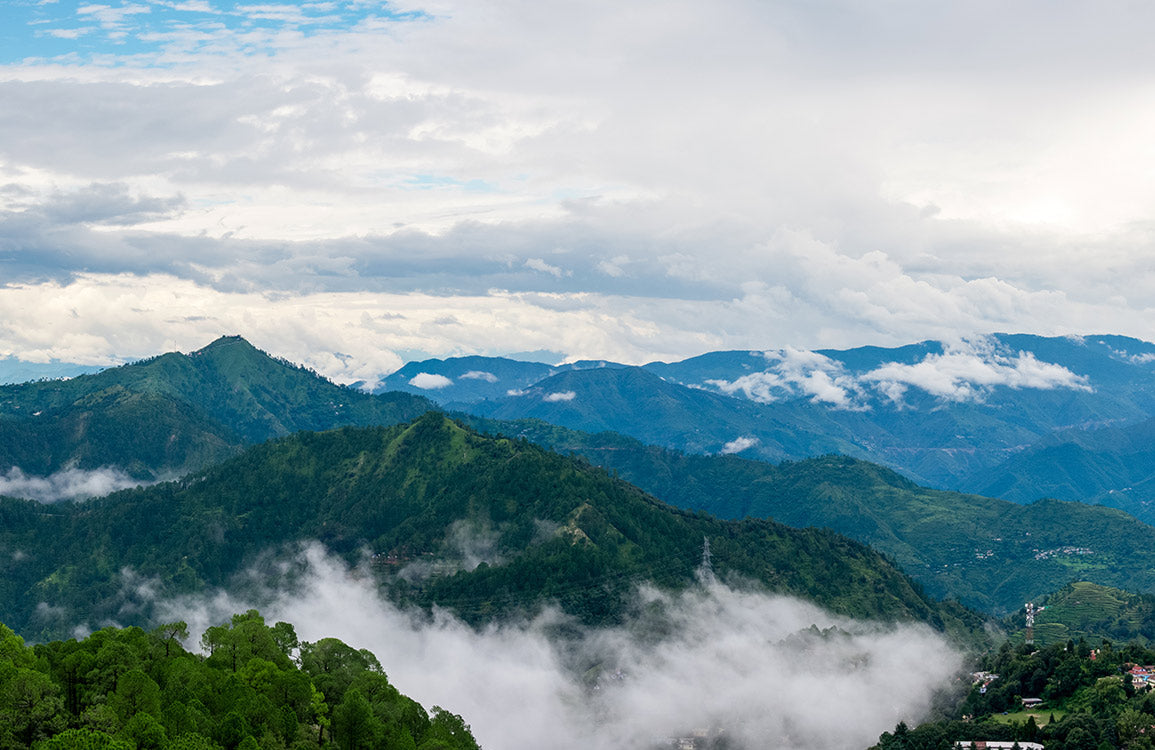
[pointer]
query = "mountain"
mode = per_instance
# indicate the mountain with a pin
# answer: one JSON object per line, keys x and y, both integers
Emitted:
{"x": 638, "y": 403}
{"x": 949, "y": 416}
{"x": 463, "y": 380}
{"x": 991, "y": 554}
{"x": 15, "y": 370}
{"x": 484, "y": 526}
{"x": 1090, "y": 611}
{"x": 1112, "y": 466}
{"x": 176, "y": 412}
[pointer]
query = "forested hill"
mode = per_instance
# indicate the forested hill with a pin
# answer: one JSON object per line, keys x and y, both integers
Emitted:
{"x": 175, "y": 412}
{"x": 990, "y": 554}
{"x": 485, "y": 526}
{"x": 131, "y": 689}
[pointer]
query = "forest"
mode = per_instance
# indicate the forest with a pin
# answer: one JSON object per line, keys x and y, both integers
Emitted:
{"x": 250, "y": 686}
{"x": 1092, "y": 698}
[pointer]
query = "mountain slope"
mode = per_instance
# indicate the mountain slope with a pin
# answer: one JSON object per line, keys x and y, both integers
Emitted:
{"x": 635, "y": 402}
{"x": 485, "y": 526}
{"x": 174, "y": 413}
{"x": 991, "y": 554}
{"x": 1087, "y": 610}
{"x": 1112, "y": 466}
{"x": 944, "y": 415}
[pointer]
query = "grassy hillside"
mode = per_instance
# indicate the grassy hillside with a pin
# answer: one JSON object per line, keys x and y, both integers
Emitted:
{"x": 176, "y": 412}
{"x": 1090, "y": 611}
{"x": 493, "y": 526}
{"x": 991, "y": 554}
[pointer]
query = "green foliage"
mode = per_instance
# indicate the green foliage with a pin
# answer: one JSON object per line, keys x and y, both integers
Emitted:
{"x": 433, "y": 496}
{"x": 1083, "y": 610}
{"x": 176, "y": 413}
{"x": 1086, "y": 688}
{"x": 132, "y": 694}
{"x": 987, "y": 553}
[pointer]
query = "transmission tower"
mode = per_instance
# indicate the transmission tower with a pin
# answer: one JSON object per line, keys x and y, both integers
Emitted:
{"x": 1032, "y": 610}
{"x": 706, "y": 569}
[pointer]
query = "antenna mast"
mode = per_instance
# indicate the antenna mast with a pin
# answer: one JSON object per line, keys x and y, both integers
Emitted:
{"x": 706, "y": 569}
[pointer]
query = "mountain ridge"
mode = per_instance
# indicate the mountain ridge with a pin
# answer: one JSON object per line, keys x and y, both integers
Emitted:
{"x": 557, "y": 529}
{"x": 173, "y": 413}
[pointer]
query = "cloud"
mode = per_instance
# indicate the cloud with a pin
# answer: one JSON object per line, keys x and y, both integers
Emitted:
{"x": 968, "y": 370}
{"x": 445, "y": 150}
{"x": 768, "y": 669}
{"x": 488, "y": 377}
{"x": 739, "y": 444}
{"x": 538, "y": 264}
{"x": 971, "y": 370}
{"x": 429, "y": 381}
{"x": 796, "y": 373}
{"x": 553, "y": 398}
{"x": 66, "y": 484}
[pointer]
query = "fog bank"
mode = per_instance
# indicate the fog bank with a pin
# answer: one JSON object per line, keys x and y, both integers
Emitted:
{"x": 712, "y": 659}
{"x": 66, "y": 484}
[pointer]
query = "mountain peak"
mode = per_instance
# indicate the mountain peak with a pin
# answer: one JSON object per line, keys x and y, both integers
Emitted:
{"x": 224, "y": 342}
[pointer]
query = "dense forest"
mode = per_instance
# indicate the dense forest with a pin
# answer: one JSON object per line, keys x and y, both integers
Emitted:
{"x": 990, "y": 554}
{"x": 257, "y": 688}
{"x": 409, "y": 497}
{"x": 176, "y": 413}
{"x": 1091, "y": 698}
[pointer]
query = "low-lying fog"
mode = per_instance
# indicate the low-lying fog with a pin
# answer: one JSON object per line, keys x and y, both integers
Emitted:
{"x": 744, "y": 662}
{"x": 66, "y": 484}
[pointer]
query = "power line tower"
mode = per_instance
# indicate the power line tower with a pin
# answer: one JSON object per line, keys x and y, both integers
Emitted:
{"x": 1032, "y": 610}
{"x": 706, "y": 569}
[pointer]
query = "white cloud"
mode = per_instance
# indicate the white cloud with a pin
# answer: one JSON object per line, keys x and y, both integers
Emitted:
{"x": 745, "y": 661}
{"x": 972, "y": 369}
{"x": 795, "y": 373}
{"x": 554, "y": 398}
{"x": 538, "y": 264}
{"x": 429, "y": 381}
{"x": 488, "y": 377}
{"x": 738, "y": 444}
{"x": 967, "y": 370}
{"x": 66, "y": 484}
{"x": 505, "y": 148}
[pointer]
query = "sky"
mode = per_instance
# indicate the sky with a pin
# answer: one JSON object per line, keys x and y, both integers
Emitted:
{"x": 352, "y": 185}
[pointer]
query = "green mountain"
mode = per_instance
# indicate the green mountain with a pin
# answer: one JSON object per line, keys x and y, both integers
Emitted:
{"x": 485, "y": 526}
{"x": 1112, "y": 466}
{"x": 991, "y": 554}
{"x": 1090, "y": 611}
{"x": 176, "y": 412}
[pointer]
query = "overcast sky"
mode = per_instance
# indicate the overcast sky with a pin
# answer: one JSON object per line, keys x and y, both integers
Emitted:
{"x": 355, "y": 184}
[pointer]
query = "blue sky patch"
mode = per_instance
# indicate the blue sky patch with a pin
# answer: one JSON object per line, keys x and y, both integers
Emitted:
{"x": 84, "y": 32}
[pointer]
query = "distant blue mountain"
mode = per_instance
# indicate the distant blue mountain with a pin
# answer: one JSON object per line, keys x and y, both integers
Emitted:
{"x": 15, "y": 370}
{"x": 1007, "y": 414}
{"x": 464, "y": 380}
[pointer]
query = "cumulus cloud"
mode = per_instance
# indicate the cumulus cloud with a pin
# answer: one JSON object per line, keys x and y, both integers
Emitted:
{"x": 66, "y": 484}
{"x": 472, "y": 154}
{"x": 795, "y": 373}
{"x": 738, "y": 444}
{"x": 769, "y": 670}
{"x": 553, "y": 398}
{"x": 970, "y": 370}
{"x": 488, "y": 377}
{"x": 429, "y": 381}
